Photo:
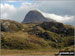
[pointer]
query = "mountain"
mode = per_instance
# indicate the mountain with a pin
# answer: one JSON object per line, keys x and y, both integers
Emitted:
{"x": 48, "y": 35}
{"x": 35, "y": 16}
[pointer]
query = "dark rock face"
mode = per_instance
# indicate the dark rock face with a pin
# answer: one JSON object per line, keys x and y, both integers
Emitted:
{"x": 36, "y": 17}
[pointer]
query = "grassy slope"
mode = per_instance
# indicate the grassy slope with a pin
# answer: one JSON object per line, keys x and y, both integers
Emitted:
{"x": 36, "y": 37}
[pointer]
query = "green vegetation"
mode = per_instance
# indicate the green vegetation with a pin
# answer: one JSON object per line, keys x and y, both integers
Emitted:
{"x": 47, "y": 35}
{"x": 21, "y": 40}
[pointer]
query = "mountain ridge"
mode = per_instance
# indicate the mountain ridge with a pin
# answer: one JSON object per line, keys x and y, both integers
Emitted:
{"x": 35, "y": 16}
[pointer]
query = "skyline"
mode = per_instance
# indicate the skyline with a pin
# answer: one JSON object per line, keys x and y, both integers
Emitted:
{"x": 62, "y": 11}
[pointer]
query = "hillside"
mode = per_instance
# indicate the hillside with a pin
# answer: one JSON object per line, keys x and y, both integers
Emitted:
{"x": 46, "y": 35}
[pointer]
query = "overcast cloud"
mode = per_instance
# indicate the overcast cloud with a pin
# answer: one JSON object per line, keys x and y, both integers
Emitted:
{"x": 61, "y": 11}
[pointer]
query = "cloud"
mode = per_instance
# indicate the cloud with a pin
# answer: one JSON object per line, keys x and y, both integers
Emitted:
{"x": 58, "y": 17}
{"x": 57, "y": 7}
{"x": 9, "y": 11}
{"x": 64, "y": 19}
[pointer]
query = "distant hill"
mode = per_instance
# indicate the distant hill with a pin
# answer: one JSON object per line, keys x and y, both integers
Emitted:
{"x": 44, "y": 35}
{"x": 35, "y": 16}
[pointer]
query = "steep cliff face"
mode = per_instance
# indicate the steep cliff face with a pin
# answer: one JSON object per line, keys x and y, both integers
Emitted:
{"x": 35, "y": 16}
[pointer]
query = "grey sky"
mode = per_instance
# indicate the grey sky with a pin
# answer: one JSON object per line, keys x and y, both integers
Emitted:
{"x": 58, "y": 7}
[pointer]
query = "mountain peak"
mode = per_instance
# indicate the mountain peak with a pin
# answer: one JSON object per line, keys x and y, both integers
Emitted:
{"x": 36, "y": 16}
{"x": 34, "y": 11}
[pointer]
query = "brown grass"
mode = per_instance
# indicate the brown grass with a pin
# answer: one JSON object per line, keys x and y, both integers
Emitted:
{"x": 27, "y": 52}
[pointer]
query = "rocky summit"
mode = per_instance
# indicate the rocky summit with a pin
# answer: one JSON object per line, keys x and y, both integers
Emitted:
{"x": 35, "y": 16}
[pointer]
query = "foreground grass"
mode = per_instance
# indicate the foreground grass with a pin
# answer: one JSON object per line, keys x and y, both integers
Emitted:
{"x": 28, "y": 52}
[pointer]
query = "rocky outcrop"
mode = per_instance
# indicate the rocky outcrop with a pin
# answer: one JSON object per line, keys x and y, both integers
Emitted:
{"x": 10, "y": 26}
{"x": 35, "y": 16}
